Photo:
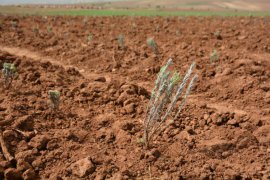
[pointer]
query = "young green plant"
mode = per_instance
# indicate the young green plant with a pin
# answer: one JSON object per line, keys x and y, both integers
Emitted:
{"x": 14, "y": 24}
{"x": 165, "y": 95}
{"x": 134, "y": 26}
{"x": 36, "y": 30}
{"x": 217, "y": 34}
{"x": 85, "y": 20}
{"x": 54, "y": 97}
{"x": 89, "y": 37}
{"x": 49, "y": 29}
{"x": 8, "y": 72}
{"x": 214, "y": 56}
{"x": 121, "y": 41}
{"x": 157, "y": 29}
{"x": 152, "y": 44}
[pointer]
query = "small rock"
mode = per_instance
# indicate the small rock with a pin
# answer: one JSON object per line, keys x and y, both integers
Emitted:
{"x": 206, "y": 116}
{"x": 152, "y": 155}
{"x": 227, "y": 71}
{"x": 219, "y": 121}
{"x": 12, "y": 174}
{"x": 203, "y": 106}
{"x": 29, "y": 175}
{"x": 10, "y": 135}
{"x": 215, "y": 147}
{"x": 226, "y": 154}
{"x": 231, "y": 174}
{"x": 130, "y": 108}
{"x": 204, "y": 176}
{"x": 205, "y": 37}
{"x": 123, "y": 111}
{"x": 55, "y": 176}
{"x": 143, "y": 92}
{"x": 265, "y": 87}
{"x": 184, "y": 45}
{"x": 117, "y": 176}
{"x": 183, "y": 135}
{"x": 52, "y": 144}
{"x": 263, "y": 134}
{"x": 23, "y": 165}
{"x": 130, "y": 89}
{"x": 190, "y": 130}
{"x": 28, "y": 156}
{"x": 85, "y": 93}
{"x": 248, "y": 126}
{"x": 232, "y": 122}
{"x": 155, "y": 153}
{"x": 39, "y": 142}
{"x": 70, "y": 94}
{"x": 202, "y": 123}
{"x": 128, "y": 126}
{"x": 242, "y": 37}
{"x": 245, "y": 140}
{"x": 219, "y": 37}
{"x": 37, "y": 163}
{"x": 100, "y": 177}
{"x": 100, "y": 79}
{"x": 22, "y": 145}
{"x": 83, "y": 167}
{"x": 129, "y": 101}
{"x": 110, "y": 138}
{"x": 165, "y": 175}
{"x": 122, "y": 98}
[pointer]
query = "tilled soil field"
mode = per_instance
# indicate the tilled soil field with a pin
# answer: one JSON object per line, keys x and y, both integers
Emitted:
{"x": 222, "y": 133}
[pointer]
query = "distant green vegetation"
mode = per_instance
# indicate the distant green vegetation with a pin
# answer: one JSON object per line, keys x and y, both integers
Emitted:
{"x": 152, "y": 13}
{"x": 121, "y": 12}
{"x": 196, "y": 3}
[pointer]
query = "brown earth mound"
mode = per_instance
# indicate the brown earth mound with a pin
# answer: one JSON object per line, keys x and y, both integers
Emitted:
{"x": 222, "y": 133}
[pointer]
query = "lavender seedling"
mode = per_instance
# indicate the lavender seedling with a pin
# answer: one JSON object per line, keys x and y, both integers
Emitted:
{"x": 167, "y": 91}
{"x": 66, "y": 34}
{"x": 9, "y": 71}
{"x": 217, "y": 34}
{"x": 14, "y": 24}
{"x": 177, "y": 32}
{"x": 152, "y": 44}
{"x": 121, "y": 41}
{"x": 44, "y": 19}
{"x": 214, "y": 56}
{"x": 85, "y": 20}
{"x": 134, "y": 26}
{"x": 54, "y": 97}
{"x": 89, "y": 37}
{"x": 49, "y": 29}
{"x": 157, "y": 28}
{"x": 36, "y": 30}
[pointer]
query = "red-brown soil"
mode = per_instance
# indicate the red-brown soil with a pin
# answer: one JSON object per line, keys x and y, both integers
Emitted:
{"x": 222, "y": 133}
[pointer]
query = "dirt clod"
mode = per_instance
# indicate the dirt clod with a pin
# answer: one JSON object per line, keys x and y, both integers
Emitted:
{"x": 13, "y": 174}
{"x": 29, "y": 174}
{"x": 83, "y": 167}
{"x": 39, "y": 142}
{"x": 100, "y": 79}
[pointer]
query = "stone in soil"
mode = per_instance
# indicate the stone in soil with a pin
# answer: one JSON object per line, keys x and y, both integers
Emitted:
{"x": 83, "y": 167}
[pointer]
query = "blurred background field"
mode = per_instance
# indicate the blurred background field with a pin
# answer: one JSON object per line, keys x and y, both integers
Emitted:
{"x": 137, "y": 7}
